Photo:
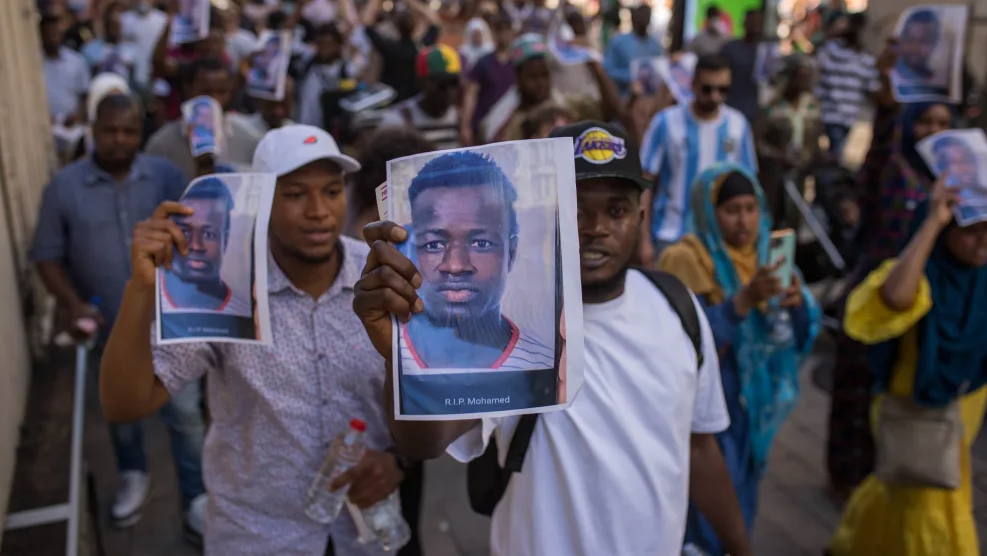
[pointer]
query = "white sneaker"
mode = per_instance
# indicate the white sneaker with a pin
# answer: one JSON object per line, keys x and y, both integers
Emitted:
{"x": 195, "y": 520}
{"x": 131, "y": 498}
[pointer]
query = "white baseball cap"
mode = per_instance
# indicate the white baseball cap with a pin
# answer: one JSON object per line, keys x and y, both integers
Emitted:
{"x": 286, "y": 149}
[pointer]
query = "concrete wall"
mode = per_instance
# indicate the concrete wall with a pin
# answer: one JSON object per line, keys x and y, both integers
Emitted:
{"x": 26, "y": 160}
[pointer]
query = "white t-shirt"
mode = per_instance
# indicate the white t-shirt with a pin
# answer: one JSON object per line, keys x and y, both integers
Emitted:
{"x": 610, "y": 475}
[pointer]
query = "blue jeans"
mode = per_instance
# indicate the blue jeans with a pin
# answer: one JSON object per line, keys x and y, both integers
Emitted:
{"x": 182, "y": 415}
{"x": 837, "y": 134}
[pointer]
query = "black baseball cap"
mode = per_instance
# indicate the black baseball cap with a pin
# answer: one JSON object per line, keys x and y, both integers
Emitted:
{"x": 602, "y": 151}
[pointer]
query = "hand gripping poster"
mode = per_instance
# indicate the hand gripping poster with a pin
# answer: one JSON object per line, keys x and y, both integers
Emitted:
{"x": 492, "y": 231}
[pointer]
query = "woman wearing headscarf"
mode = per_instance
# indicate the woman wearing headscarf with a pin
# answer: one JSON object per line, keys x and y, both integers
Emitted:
{"x": 725, "y": 263}
{"x": 924, "y": 318}
{"x": 895, "y": 185}
{"x": 479, "y": 42}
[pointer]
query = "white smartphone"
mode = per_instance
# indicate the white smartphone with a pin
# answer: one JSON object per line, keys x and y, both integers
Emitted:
{"x": 782, "y": 247}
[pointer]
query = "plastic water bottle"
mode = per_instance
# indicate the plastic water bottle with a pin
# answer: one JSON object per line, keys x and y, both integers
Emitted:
{"x": 345, "y": 452}
{"x": 85, "y": 324}
{"x": 387, "y": 525}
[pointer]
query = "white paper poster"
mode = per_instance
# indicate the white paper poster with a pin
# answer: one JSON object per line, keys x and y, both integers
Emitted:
{"x": 677, "y": 75}
{"x": 645, "y": 76}
{"x": 269, "y": 66}
{"x": 962, "y": 153}
{"x": 493, "y": 233}
{"x": 191, "y": 22}
{"x": 218, "y": 291}
{"x": 930, "y": 54}
{"x": 203, "y": 118}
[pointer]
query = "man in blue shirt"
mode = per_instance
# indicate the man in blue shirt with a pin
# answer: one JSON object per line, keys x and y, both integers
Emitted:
{"x": 624, "y": 49}
{"x": 81, "y": 249}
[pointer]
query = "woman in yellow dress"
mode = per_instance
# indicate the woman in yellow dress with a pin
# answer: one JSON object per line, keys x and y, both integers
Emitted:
{"x": 924, "y": 316}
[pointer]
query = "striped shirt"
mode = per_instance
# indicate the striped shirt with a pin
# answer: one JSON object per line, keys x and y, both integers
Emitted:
{"x": 523, "y": 353}
{"x": 846, "y": 78}
{"x": 443, "y": 132}
{"x": 677, "y": 147}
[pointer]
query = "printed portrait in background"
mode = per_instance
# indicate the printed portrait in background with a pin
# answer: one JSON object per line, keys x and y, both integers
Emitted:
{"x": 190, "y": 22}
{"x": 962, "y": 155}
{"x": 956, "y": 158}
{"x": 645, "y": 74}
{"x": 677, "y": 75}
{"x": 212, "y": 290}
{"x": 482, "y": 230}
{"x": 268, "y": 67}
{"x": 930, "y": 53}
{"x": 203, "y": 117}
{"x": 919, "y": 37}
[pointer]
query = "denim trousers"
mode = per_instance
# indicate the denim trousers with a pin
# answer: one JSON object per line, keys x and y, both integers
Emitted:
{"x": 838, "y": 135}
{"x": 182, "y": 415}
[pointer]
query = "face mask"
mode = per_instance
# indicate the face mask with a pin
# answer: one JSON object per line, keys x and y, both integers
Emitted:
{"x": 143, "y": 7}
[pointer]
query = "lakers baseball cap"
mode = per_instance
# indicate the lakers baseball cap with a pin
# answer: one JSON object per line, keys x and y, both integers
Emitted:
{"x": 602, "y": 151}
{"x": 286, "y": 149}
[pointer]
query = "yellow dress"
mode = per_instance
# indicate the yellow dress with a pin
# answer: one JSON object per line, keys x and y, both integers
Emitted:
{"x": 886, "y": 520}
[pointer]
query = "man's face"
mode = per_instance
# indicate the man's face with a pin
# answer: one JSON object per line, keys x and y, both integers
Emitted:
{"x": 53, "y": 27}
{"x": 114, "y": 26}
{"x": 710, "y": 88}
{"x": 916, "y": 44}
{"x": 202, "y": 117}
{"x": 274, "y": 112}
{"x": 609, "y": 219}
{"x": 464, "y": 250}
{"x": 117, "y": 136}
{"x": 641, "y": 18}
{"x": 205, "y": 231}
{"x": 309, "y": 212}
{"x": 213, "y": 83}
{"x": 959, "y": 162}
{"x": 534, "y": 81}
{"x": 327, "y": 47}
{"x": 442, "y": 91}
{"x": 754, "y": 25}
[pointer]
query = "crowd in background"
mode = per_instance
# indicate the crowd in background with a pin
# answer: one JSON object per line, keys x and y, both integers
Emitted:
{"x": 475, "y": 72}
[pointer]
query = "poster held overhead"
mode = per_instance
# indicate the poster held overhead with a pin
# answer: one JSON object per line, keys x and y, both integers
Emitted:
{"x": 962, "y": 155}
{"x": 930, "y": 54}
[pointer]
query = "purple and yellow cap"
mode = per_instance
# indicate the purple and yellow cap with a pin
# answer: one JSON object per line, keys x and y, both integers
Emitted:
{"x": 438, "y": 60}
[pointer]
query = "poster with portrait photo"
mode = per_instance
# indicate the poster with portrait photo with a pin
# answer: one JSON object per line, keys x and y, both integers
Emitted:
{"x": 190, "y": 23}
{"x": 962, "y": 155}
{"x": 645, "y": 75}
{"x": 217, "y": 292}
{"x": 203, "y": 118}
{"x": 492, "y": 230}
{"x": 930, "y": 54}
{"x": 269, "y": 66}
{"x": 677, "y": 75}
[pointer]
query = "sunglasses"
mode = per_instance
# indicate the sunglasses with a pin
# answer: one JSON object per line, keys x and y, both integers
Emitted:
{"x": 709, "y": 89}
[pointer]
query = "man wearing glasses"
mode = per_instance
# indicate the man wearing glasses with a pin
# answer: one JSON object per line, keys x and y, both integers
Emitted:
{"x": 681, "y": 142}
{"x": 435, "y": 111}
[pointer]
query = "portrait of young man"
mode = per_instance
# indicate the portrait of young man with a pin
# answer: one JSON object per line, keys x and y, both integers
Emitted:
{"x": 920, "y": 35}
{"x": 194, "y": 282}
{"x": 954, "y": 156}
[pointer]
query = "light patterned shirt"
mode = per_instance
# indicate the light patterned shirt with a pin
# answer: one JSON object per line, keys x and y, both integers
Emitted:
{"x": 276, "y": 409}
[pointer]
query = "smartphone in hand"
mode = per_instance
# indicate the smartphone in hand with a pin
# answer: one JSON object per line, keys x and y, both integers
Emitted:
{"x": 782, "y": 248}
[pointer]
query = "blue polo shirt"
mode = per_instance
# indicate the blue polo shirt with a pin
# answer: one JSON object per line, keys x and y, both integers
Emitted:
{"x": 87, "y": 219}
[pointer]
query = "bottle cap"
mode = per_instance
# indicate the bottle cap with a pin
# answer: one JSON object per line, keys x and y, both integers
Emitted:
{"x": 358, "y": 424}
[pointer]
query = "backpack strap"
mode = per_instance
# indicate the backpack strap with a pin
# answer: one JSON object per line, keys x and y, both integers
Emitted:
{"x": 680, "y": 299}
{"x": 519, "y": 445}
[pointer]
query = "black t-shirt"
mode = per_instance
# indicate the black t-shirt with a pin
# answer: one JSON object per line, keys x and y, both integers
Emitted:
{"x": 398, "y": 60}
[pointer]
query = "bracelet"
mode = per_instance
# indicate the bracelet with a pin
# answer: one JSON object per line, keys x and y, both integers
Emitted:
{"x": 404, "y": 463}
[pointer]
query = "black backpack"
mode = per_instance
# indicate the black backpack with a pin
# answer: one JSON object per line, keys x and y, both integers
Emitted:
{"x": 486, "y": 480}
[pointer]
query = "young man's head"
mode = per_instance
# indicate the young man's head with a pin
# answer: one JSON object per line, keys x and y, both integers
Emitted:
{"x": 919, "y": 37}
{"x": 116, "y": 131}
{"x": 275, "y": 112}
{"x": 465, "y": 235}
{"x": 534, "y": 77}
{"x": 207, "y": 231}
{"x": 503, "y": 32}
{"x": 52, "y": 26}
{"x": 754, "y": 25}
{"x": 540, "y": 123}
{"x": 328, "y": 43}
{"x": 641, "y": 19}
{"x": 112, "y": 22}
{"x": 609, "y": 184}
{"x": 711, "y": 83}
{"x": 404, "y": 21}
{"x": 309, "y": 208}
{"x": 713, "y": 15}
{"x": 954, "y": 156}
{"x": 386, "y": 144}
{"x": 855, "y": 24}
{"x": 209, "y": 77}
{"x": 439, "y": 69}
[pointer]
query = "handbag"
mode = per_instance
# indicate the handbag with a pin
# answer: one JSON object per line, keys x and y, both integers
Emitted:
{"x": 919, "y": 446}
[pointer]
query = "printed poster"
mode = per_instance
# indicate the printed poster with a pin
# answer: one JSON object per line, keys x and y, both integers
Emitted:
{"x": 962, "y": 154}
{"x": 677, "y": 75}
{"x": 204, "y": 122}
{"x": 269, "y": 67}
{"x": 930, "y": 54}
{"x": 646, "y": 77}
{"x": 218, "y": 291}
{"x": 191, "y": 22}
{"x": 493, "y": 233}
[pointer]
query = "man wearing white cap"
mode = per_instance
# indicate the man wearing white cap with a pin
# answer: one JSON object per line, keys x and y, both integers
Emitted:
{"x": 274, "y": 409}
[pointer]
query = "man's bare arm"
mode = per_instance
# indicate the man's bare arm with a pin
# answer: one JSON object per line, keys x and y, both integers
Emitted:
{"x": 711, "y": 490}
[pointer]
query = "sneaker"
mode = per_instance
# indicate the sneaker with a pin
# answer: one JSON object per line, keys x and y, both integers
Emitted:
{"x": 131, "y": 498}
{"x": 195, "y": 521}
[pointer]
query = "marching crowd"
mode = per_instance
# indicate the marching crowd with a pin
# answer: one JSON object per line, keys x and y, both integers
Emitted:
{"x": 666, "y": 444}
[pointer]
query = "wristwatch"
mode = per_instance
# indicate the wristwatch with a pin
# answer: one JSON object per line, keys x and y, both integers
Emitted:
{"x": 404, "y": 463}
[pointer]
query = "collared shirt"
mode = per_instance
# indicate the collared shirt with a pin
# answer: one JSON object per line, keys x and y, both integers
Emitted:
{"x": 171, "y": 142}
{"x": 67, "y": 80}
{"x": 276, "y": 409}
{"x": 87, "y": 219}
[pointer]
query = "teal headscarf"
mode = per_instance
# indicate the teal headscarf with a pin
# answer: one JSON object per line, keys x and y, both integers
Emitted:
{"x": 768, "y": 372}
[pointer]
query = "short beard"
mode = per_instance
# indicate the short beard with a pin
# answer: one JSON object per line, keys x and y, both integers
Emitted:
{"x": 607, "y": 289}
{"x": 303, "y": 258}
